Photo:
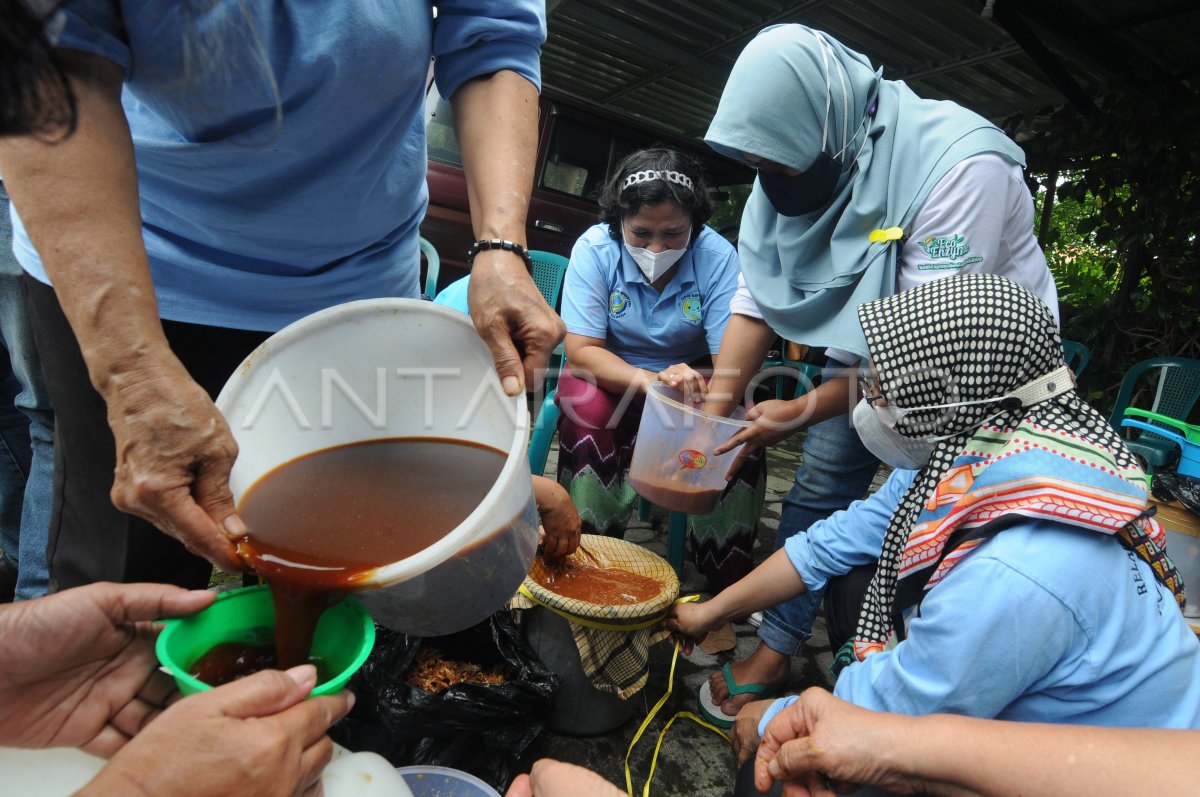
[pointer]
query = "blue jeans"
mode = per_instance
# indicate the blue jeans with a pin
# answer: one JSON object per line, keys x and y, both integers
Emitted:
{"x": 25, "y": 493}
{"x": 836, "y": 471}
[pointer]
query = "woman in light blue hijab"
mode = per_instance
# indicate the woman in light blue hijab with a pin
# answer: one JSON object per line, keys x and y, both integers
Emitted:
{"x": 863, "y": 188}
{"x": 867, "y": 150}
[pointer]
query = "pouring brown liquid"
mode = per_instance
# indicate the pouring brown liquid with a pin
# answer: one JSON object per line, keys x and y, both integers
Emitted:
{"x": 321, "y": 523}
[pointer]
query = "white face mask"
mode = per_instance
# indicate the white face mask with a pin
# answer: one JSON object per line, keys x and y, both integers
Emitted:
{"x": 876, "y": 427}
{"x": 892, "y": 448}
{"x": 655, "y": 264}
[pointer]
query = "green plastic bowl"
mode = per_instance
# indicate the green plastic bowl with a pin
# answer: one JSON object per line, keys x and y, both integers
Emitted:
{"x": 344, "y": 637}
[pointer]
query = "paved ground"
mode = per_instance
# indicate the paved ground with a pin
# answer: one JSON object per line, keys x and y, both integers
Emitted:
{"x": 694, "y": 762}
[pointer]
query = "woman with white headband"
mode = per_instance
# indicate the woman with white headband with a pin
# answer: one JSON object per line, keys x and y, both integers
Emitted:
{"x": 864, "y": 189}
{"x": 646, "y": 299}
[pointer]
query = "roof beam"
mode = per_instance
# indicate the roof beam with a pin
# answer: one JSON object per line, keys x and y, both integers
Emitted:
{"x": 994, "y": 54}
{"x": 632, "y": 33}
{"x": 1007, "y": 17}
{"x": 744, "y": 35}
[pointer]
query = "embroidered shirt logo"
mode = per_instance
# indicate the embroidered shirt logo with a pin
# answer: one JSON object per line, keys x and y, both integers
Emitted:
{"x": 692, "y": 459}
{"x": 692, "y": 308}
{"x": 618, "y": 304}
{"x": 947, "y": 252}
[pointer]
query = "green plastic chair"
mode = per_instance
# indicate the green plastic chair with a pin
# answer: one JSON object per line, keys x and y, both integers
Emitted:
{"x": 1077, "y": 356}
{"x": 433, "y": 266}
{"x": 1176, "y": 390}
{"x": 548, "y": 272}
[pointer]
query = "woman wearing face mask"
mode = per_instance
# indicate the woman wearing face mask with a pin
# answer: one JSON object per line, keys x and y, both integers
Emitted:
{"x": 646, "y": 300}
{"x": 1018, "y": 575}
{"x": 864, "y": 189}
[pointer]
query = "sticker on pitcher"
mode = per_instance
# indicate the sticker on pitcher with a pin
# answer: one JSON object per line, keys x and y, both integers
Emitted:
{"x": 692, "y": 459}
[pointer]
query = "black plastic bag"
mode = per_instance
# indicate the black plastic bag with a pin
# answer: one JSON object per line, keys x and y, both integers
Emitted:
{"x": 481, "y": 729}
{"x": 1167, "y": 485}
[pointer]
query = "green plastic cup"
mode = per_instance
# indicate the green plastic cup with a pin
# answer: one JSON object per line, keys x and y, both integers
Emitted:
{"x": 343, "y": 640}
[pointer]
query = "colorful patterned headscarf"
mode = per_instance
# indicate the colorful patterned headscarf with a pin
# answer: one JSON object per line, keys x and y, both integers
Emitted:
{"x": 972, "y": 338}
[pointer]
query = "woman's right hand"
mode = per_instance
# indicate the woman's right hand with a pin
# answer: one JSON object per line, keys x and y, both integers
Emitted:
{"x": 687, "y": 380}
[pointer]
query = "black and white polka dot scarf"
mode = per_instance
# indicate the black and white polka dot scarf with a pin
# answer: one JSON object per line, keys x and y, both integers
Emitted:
{"x": 969, "y": 338}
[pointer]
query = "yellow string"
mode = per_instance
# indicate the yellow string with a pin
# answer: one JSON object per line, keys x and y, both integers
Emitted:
{"x": 662, "y": 734}
{"x": 590, "y": 623}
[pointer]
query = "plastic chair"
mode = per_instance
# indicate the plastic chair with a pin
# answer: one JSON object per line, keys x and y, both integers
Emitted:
{"x": 433, "y": 266}
{"x": 543, "y": 433}
{"x": 803, "y": 372}
{"x": 548, "y": 271}
{"x": 1175, "y": 395}
{"x": 1077, "y": 356}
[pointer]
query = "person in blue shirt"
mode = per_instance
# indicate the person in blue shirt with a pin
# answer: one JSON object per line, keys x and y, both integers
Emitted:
{"x": 646, "y": 299}
{"x": 1009, "y": 567}
{"x": 225, "y": 168}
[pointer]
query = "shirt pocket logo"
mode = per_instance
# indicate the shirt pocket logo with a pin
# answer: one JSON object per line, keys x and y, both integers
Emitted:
{"x": 618, "y": 304}
{"x": 691, "y": 307}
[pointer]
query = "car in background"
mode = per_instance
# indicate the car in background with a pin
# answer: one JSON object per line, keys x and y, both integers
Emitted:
{"x": 576, "y": 152}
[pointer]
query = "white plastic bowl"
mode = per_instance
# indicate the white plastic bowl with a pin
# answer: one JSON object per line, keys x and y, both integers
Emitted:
{"x": 383, "y": 368}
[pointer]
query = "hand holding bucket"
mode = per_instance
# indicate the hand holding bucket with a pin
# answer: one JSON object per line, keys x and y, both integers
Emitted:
{"x": 675, "y": 464}
{"x": 385, "y": 369}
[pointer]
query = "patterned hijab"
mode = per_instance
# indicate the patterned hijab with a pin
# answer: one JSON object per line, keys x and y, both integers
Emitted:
{"x": 971, "y": 338}
{"x": 794, "y": 93}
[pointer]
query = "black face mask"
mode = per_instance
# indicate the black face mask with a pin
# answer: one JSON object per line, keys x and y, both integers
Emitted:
{"x": 808, "y": 191}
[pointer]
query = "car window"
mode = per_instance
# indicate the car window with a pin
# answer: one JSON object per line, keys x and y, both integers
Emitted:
{"x": 439, "y": 130}
{"x": 577, "y": 159}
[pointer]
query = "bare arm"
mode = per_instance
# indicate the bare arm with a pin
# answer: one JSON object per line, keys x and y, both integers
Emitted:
{"x": 496, "y": 120}
{"x": 773, "y": 582}
{"x": 744, "y": 345}
{"x": 589, "y": 356}
{"x": 821, "y": 737}
{"x": 78, "y": 199}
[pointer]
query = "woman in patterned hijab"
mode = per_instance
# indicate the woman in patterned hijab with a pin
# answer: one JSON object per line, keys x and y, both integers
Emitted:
{"x": 1019, "y": 575}
{"x": 985, "y": 343}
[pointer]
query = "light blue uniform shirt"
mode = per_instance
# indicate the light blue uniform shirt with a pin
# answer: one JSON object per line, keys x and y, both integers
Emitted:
{"x": 454, "y": 295}
{"x": 1042, "y": 623}
{"x": 606, "y": 296}
{"x": 251, "y": 221}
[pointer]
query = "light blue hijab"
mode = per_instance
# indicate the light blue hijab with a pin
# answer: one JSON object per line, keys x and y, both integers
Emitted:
{"x": 793, "y": 93}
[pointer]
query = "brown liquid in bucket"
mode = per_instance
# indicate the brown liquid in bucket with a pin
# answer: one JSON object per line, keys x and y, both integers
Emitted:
{"x": 321, "y": 523}
{"x": 674, "y": 495}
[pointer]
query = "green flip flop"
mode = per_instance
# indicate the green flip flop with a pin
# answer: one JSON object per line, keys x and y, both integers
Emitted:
{"x": 712, "y": 712}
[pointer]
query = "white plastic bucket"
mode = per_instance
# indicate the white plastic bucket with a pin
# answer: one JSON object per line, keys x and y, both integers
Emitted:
{"x": 673, "y": 465}
{"x": 388, "y": 368}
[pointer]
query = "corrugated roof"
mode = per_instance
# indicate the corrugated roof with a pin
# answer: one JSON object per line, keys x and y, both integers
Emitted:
{"x": 664, "y": 63}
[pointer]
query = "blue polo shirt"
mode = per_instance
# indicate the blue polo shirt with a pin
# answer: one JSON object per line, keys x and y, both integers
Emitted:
{"x": 606, "y": 296}
{"x": 280, "y": 144}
